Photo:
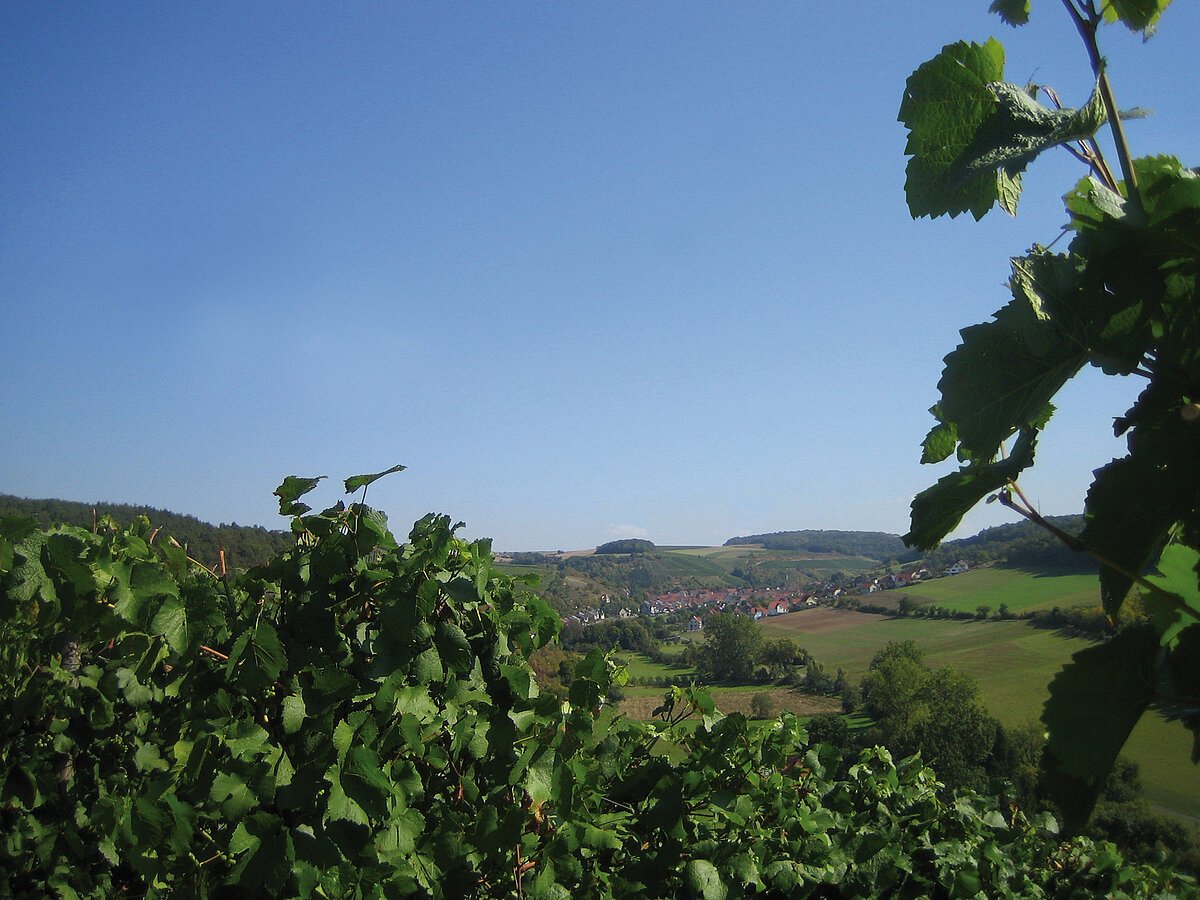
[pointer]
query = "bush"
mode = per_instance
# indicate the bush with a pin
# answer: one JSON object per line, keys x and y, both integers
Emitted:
{"x": 763, "y": 705}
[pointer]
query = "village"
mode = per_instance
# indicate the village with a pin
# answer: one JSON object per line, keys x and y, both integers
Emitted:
{"x": 757, "y": 603}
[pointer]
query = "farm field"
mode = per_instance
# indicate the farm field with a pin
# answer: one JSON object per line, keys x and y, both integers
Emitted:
{"x": 1020, "y": 590}
{"x": 1013, "y": 663}
{"x": 816, "y": 564}
{"x": 640, "y": 702}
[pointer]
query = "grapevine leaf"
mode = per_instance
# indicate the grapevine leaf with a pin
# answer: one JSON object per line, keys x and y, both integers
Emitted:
{"x": 704, "y": 881}
{"x": 171, "y": 623}
{"x": 13, "y": 530}
{"x": 1179, "y": 579}
{"x": 937, "y": 510}
{"x": 539, "y": 777}
{"x": 265, "y": 854}
{"x": 232, "y": 793}
{"x": 1179, "y": 690}
{"x": 363, "y": 780}
{"x": 293, "y": 713}
{"x": 339, "y": 805}
{"x": 453, "y": 647}
{"x": 1092, "y": 203}
{"x": 360, "y": 481}
{"x": 1130, "y": 508}
{"x": 1019, "y": 129}
{"x": 1013, "y": 12}
{"x": 1095, "y": 701}
{"x": 946, "y": 101}
{"x": 292, "y": 489}
{"x": 1136, "y": 15}
{"x": 941, "y": 440}
{"x": 262, "y": 656}
{"x": 1004, "y": 373}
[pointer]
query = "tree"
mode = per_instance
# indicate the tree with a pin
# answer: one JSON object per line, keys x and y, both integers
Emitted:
{"x": 782, "y": 653}
{"x": 731, "y": 646}
{"x": 1122, "y": 298}
{"x": 934, "y": 713}
{"x": 762, "y": 705}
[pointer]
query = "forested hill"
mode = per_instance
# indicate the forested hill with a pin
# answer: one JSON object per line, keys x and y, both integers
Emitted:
{"x": 1019, "y": 544}
{"x": 871, "y": 544}
{"x": 244, "y": 545}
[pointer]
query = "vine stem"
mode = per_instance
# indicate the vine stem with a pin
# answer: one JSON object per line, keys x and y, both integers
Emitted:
{"x": 1025, "y": 508}
{"x": 1087, "y": 24}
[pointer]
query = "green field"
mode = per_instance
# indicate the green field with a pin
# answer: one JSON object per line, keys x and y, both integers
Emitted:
{"x": 1018, "y": 589}
{"x": 640, "y": 667}
{"x": 1013, "y": 663}
{"x": 815, "y": 567}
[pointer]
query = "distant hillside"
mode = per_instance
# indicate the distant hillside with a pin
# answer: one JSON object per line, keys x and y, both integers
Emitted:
{"x": 1021, "y": 544}
{"x": 245, "y": 546}
{"x": 871, "y": 544}
{"x": 626, "y": 545}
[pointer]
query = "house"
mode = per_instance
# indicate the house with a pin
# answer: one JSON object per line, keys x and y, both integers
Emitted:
{"x": 777, "y": 608}
{"x": 958, "y": 568}
{"x": 758, "y": 612}
{"x": 695, "y": 624}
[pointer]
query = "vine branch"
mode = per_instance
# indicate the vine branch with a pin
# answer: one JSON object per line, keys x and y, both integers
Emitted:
{"x": 1086, "y": 23}
{"x": 1025, "y": 509}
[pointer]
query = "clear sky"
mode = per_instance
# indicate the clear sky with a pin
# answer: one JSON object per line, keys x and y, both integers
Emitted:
{"x": 590, "y": 270}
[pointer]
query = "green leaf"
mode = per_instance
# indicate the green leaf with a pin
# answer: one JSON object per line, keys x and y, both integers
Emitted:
{"x": 1136, "y": 15}
{"x": 937, "y": 510}
{"x": 399, "y": 839}
{"x": 941, "y": 440}
{"x": 148, "y": 759}
{"x": 1095, "y": 701}
{"x": 1131, "y": 507}
{"x": 268, "y": 651}
{"x": 946, "y": 101}
{"x": 1019, "y": 129}
{"x": 1002, "y": 376}
{"x": 340, "y": 805}
{"x": 293, "y": 713}
{"x": 233, "y": 795}
{"x": 363, "y": 780}
{"x": 360, "y": 481}
{"x": 292, "y": 489}
{"x": 702, "y": 880}
{"x": 171, "y": 623}
{"x": 539, "y": 777}
{"x": 1013, "y": 12}
{"x": 453, "y": 647}
{"x": 265, "y": 852}
{"x": 1092, "y": 203}
{"x": 1179, "y": 580}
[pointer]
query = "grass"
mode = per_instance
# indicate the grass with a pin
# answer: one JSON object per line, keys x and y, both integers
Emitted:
{"x": 640, "y": 667}
{"x": 640, "y": 703}
{"x": 1019, "y": 589}
{"x": 815, "y": 565}
{"x": 1013, "y": 663}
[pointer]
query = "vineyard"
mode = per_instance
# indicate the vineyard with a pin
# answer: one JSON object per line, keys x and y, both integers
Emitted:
{"x": 358, "y": 717}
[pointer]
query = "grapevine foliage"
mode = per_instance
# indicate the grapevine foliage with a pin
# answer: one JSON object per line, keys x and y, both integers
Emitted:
{"x": 1123, "y": 298}
{"x": 358, "y": 718}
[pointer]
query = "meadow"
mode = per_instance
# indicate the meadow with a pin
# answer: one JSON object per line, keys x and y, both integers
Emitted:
{"x": 1013, "y": 662}
{"x": 1018, "y": 589}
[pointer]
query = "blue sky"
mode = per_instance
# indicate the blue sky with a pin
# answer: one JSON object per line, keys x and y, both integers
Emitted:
{"x": 589, "y": 270}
